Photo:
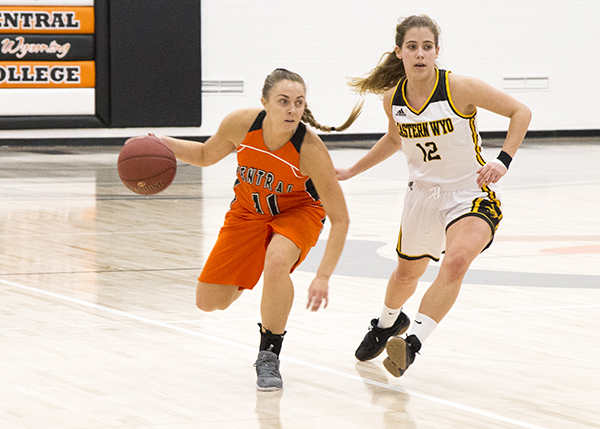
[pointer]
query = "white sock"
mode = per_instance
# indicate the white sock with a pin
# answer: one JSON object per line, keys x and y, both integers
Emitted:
{"x": 388, "y": 316}
{"x": 422, "y": 327}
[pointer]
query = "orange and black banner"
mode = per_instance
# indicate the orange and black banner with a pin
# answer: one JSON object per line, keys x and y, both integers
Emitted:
{"x": 46, "y": 74}
{"x": 39, "y": 47}
{"x": 47, "y": 47}
{"x": 47, "y": 20}
{"x": 111, "y": 58}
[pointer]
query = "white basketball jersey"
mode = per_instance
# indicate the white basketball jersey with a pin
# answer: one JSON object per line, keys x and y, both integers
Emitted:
{"x": 442, "y": 146}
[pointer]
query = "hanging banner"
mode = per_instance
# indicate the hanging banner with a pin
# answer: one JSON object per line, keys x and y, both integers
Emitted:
{"x": 47, "y": 2}
{"x": 47, "y": 20}
{"x": 17, "y": 47}
{"x": 47, "y": 53}
{"x": 46, "y": 74}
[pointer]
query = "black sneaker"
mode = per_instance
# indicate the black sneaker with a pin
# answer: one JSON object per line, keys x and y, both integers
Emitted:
{"x": 401, "y": 354}
{"x": 375, "y": 340}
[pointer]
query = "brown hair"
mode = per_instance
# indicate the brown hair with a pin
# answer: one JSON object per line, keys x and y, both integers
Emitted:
{"x": 390, "y": 68}
{"x": 278, "y": 75}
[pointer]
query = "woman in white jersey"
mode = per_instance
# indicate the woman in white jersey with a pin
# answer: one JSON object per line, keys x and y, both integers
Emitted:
{"x": 452, "y": 203}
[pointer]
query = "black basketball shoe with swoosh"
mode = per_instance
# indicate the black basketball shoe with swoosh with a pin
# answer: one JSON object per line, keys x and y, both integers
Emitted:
{"x": 376, "y": 339}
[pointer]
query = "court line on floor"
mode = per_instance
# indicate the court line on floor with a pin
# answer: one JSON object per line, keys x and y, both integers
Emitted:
{"x": 165, "y": 325}
{"x": 77, "y": 234}
{"x": 556, "y": 307}
{"x": 372, "y": 315}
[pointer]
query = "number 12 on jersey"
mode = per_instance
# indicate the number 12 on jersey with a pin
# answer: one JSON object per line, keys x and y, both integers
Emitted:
{"x": 429, "y": 151}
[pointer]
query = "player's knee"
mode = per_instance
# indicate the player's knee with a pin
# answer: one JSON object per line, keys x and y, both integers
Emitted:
{"x": 408, "y": 285}
{"x": 281, "y": 256}
{"x": 211, "y": 299}
{"x": 455, "y": 267}
{"x": 205, "y": 304}
{"x": 277, "y": 265}
{"x": 406, "y": 279}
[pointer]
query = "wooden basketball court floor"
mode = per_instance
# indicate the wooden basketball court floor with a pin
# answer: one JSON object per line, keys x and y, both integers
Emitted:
{"x": 98, "y": 327}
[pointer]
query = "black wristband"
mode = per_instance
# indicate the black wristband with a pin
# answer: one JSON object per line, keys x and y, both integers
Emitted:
{"x": 504, "y": 158}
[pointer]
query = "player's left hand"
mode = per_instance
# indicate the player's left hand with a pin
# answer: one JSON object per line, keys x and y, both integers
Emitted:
{"x": 342, "y": 173}
{"x": 318, "y": 294}
{"x": 490, "y": 173}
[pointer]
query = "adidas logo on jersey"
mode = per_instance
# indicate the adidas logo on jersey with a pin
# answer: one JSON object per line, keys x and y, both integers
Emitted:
{"x": 400, "y": 112}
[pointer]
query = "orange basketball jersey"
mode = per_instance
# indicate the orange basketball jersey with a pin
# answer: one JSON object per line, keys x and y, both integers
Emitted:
{"x": 270, "y": 182}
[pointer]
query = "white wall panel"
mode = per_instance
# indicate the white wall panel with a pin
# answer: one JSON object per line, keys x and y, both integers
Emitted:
{"x": 328, "y": 41}
{"x": 33, "y": 102}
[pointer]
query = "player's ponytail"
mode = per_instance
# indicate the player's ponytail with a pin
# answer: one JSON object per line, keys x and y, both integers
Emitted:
{"x": 390, "y": 68}
{"x": 383, "y": 77}
{"x": 280, "y": 74}
{"x": 309, "y": 119}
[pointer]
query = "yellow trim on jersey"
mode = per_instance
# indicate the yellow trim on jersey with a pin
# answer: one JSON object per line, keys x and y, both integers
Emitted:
{"x": 475, "y": 138}
{"x": 437, "y": 80}
{"x": 451, "y": 102}
{"x": 491, "y": 195}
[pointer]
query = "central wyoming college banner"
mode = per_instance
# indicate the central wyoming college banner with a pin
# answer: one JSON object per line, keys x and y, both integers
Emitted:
{"x": 47, "y": 62}
{"x": 102, "y": 63}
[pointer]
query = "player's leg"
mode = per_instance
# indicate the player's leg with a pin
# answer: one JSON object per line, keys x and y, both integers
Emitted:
{"x": 211, "y": 297}
{"x": 278, "y": 290}
{"x": 465, "y": 240}
{"x": 392, "y": 321}
{"x": 403, "y": 281}
{"x": 275, "y": 307}
{"x": 235, "y": 262}
{"x": 421, "y": 238}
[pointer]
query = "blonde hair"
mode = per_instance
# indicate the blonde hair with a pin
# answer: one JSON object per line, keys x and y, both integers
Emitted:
{"x": 390, "y": 68}
{"x": 279, "y": 74}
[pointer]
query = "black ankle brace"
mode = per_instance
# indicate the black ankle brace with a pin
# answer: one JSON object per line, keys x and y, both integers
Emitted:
{"x": 269, "y": 341}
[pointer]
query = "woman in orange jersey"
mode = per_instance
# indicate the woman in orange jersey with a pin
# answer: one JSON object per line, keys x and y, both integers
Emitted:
{"x": 285, "y": 186}
{"x": 452, "y": 202}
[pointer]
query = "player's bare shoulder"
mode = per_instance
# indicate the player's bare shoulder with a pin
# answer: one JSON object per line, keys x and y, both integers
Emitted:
{"x": 464, "y": 91}
{"x": 460, "y": 82}
{"x": 313, "y": 153}
{"x": 237, "y": 124}
{"x": 312, "y": 141}
{"x": 241, "y": 118}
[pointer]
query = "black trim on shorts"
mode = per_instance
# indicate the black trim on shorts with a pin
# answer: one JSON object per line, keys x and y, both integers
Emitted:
{"x": 479, "y": 215}
{"x": 407, "y": 257}
{"x": 415, "y": 258}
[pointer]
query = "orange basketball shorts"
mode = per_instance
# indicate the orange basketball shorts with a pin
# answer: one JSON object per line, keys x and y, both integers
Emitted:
{"x": 238, "y": 257}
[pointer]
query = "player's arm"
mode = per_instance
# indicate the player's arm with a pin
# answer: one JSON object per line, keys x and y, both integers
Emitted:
{"x": 386, "y": 146}
{"x": 316, "y": 163}
{"x": 230, "y": 134}
{"x": 470, "y": 93}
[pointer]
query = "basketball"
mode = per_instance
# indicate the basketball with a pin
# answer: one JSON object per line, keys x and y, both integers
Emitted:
{"x": 146, "y": 166}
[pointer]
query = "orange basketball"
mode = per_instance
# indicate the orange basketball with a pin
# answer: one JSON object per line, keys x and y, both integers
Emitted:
{"x": 146, "y": 166}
